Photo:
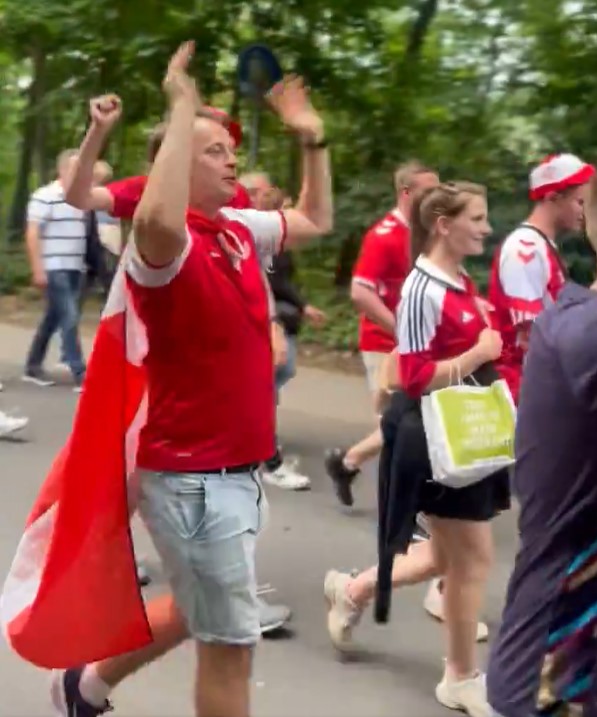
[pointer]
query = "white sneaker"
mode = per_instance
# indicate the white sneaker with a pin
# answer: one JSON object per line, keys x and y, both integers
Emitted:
{"x": 343, "y": 614}
{"x": 287, "y": 477}
{"x": 469, "y": 696}
{"x": 434, "y": 606}
{"x": 11, "y": 424}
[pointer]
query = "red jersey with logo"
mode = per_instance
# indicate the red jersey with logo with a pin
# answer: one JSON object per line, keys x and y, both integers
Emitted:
{"x": 527, "y": 275}
{"x": 209, "y": 360}
{"x": 383, "y": 265}
{"x": 438, "y": 319}
{"x": 126, "y": 194}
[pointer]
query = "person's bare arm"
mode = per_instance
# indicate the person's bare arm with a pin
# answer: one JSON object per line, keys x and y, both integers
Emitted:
{"x": 368, "y": 302}
{"x": 488, "y": 348}
{"x": 79, "y": 191}
{"x": 159, "y": 223}
{"x": 313, "y": 215}
{"x": 34, "y": 253}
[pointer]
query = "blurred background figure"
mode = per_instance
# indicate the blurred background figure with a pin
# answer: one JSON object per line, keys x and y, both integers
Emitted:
{"x": 291, "y": 310}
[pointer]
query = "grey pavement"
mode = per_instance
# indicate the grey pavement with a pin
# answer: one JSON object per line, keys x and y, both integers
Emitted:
{"x": 397, "y": 666}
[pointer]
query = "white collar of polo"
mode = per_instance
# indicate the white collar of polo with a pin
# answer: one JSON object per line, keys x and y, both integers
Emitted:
{"x": 429, "y": 268}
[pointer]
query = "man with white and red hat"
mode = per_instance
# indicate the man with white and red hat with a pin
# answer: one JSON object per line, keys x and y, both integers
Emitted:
{"x": 528, "y": 271}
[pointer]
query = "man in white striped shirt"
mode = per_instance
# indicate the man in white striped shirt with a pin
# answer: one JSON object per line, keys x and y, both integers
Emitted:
{"x": 56, "y": 244}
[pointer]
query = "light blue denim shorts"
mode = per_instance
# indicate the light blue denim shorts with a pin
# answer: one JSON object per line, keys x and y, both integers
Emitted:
{"x": 204, "y": 528}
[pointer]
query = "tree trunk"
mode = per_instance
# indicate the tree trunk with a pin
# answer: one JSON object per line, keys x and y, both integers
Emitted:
{"x": 235, "y": 104}
{"x": 349, "y": 250}
{"x": 16, "y": 219}
{"x": 41, "y": 137}
{"x": 419, "y": 30}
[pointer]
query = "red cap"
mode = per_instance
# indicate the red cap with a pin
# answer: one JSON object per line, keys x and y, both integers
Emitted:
{"x": 233, "y": 127}
{"x": 558, "y": 172}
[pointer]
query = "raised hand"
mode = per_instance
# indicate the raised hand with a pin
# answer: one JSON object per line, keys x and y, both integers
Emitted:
{"x": 290, "y": 100}
{"x": 177, "y": 83}
{"x": 105, "y": 111}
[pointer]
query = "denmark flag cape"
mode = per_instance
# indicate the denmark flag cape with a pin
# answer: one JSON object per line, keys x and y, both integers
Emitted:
{"x": 71, "y": 596}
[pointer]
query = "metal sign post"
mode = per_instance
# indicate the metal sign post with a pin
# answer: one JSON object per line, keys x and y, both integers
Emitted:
{"x": 258, "y": 71}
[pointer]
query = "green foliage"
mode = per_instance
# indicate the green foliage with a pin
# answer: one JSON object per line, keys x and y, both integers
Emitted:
{"x": 481, "y": 89}
{"x": 340, "y": 331}
{"x": 14, "y": 271}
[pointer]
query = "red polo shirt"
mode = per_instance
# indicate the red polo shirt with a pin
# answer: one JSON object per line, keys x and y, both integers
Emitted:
{"x": 209, "y": 360}
{"x": 383, "y": 265}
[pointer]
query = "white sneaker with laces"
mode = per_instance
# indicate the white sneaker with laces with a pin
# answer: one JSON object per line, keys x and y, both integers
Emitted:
{"x": 343, "y": 614}
{"x": 469, "y": 695}
{"x": 287, "y": 477}
{"x": 11, "y": 424}
{"x": 434, "y": 606}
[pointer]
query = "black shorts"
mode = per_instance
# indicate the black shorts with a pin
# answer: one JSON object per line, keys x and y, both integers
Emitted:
{"x": 478, "y": 502}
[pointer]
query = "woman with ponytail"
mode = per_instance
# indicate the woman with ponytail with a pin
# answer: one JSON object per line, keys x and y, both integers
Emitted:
{"x": 444, "y": 333}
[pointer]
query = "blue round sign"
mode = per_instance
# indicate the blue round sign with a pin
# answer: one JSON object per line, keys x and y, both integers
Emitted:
{"x": 258, "y": 70}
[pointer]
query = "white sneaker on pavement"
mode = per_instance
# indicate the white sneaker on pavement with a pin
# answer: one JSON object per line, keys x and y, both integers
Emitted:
{"x": 434, "y": 606}
{"x": 11, "y": 424}
{"x": 343, "y": 614}
{"x": 468, "y": 696}
{"x": 287, "y": 477}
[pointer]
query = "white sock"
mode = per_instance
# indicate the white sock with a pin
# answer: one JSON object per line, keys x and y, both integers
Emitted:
{"x": 349, "y": 465}
{"x": 93, "y": 688}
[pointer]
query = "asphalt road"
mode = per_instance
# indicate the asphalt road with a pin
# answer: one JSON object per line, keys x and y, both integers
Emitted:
{"x": 397, "y": 666}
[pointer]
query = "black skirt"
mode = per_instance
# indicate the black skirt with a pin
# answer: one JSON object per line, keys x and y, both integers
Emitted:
{"x": 478, "y": 502}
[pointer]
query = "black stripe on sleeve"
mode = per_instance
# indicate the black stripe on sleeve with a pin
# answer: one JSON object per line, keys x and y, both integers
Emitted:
{"x": 416, "y": 313}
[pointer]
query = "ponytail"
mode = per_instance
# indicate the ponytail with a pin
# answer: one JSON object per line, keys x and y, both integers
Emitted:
{"x": 419, "y": 232}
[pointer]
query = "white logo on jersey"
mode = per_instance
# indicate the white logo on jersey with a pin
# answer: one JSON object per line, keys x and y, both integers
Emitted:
{"x": 466, "y": 317}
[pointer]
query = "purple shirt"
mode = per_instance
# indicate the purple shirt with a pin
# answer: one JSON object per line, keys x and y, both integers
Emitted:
{"x": 550, "y": 615}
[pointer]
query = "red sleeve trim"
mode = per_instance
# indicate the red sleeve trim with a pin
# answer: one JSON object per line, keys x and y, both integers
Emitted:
{"x": 126, "y": 194}
{"x": 534, "y": 306}
{"x": 365, "y": 282}
{"x": 416, "y": 372}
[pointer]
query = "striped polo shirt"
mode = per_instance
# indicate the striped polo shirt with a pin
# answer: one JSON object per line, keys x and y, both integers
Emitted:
{"x": 62, "y": 229}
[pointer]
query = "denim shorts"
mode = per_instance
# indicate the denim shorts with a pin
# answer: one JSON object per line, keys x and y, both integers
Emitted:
{"x": 204, "y": 528}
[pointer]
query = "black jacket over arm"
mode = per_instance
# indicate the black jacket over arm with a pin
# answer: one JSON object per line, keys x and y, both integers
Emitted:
{"x": 289, "y": 303}
{"x": 403, "y": 470}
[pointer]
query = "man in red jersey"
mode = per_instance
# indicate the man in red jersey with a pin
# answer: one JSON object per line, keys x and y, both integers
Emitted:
{"x": 527, "y": 271}
{"x": 121, "y": 198}
{"x": 196, "y": 278}
{"x": 382, "y": 266}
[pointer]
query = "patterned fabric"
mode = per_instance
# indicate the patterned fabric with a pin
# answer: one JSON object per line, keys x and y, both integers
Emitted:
{"x": 567, "y": 677}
